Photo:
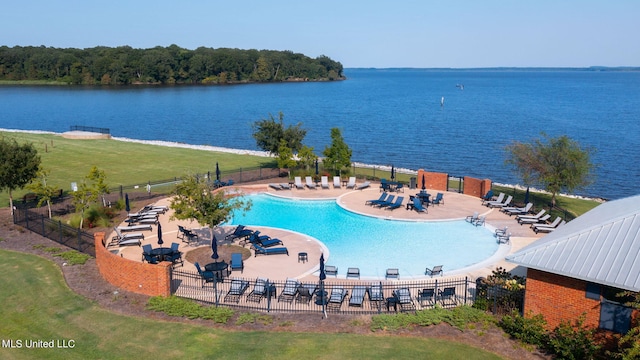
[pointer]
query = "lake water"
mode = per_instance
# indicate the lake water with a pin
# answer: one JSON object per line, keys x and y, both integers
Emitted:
{"x": 392, "y": 116}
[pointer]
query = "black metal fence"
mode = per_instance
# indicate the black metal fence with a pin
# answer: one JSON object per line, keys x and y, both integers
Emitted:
{"x": 360, "y": 297}
{"x": 55, "y": 230}
{"x": 90, "y": 129}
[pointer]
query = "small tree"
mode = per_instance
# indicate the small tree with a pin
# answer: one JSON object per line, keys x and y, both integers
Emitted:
{"x": 556, "y": 163}
{"x": 285, "y": 157}
{"x": 99, "y": 185}
{"x": 83, "y": 198}
{"x": 44, "y": 191}
{"x": 195, "y": 200}
{"x": 338, "y": 155}
{"x": 19, "y": 165}
{"x": 269, "y": 132}
{"x": 306, "y": 157}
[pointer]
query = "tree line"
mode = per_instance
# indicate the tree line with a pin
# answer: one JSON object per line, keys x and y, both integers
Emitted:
{"x": 125, "y": 65}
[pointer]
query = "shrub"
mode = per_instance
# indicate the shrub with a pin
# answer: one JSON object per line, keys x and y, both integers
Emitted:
{"x": 529, "y": 330}
{"x": 459, "y": 317}
{"x": 175, "y": 306}
{"x": 573, "y": 341}
{"x": 74, "y": 257}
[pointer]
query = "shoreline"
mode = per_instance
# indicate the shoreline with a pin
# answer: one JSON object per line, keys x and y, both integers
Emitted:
{"x": 266, "y": 154}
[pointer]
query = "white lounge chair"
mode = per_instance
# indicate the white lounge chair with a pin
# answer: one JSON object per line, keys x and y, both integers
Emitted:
{"x": 536, "y": 216}
{"x": 501, "y": 205}
{"x": 544, "y": 227}
{"x": 548, "y": 229}
{"x": 364, "y": 185}
{"x": 309, "y": 182}
{"x": 498, "y": 200}
{"x": 135, "y": 228}
{"x": 517, "y": 210}
{"x": 298, "y": 182}
{"x": 352, "y": 182}
{"x": 337, "y": 184}
{"x": 531, "y": 221}
{"x": 324, "y": 181}
{"x": 127, "y": 239}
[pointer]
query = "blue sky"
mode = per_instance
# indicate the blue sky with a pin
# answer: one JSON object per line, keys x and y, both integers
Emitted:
{"x": 444, "y": 33}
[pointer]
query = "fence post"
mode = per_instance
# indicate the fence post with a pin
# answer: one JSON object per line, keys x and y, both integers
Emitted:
{"x": 268, "y": 285}
{"x": 466, "y": 289}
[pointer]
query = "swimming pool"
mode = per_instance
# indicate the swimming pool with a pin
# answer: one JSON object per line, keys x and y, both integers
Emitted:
{"x": 373, "y": 244}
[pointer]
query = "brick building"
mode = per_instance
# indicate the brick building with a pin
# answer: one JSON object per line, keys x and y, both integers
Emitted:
{"x": 581, "y": 266}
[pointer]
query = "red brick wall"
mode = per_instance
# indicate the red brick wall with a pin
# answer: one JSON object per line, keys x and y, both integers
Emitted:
{"x": 433, "y": 180}
{"x": 559, "y": 298}
{"x": 476, "y": 187}
{"x": 134, "y": 276}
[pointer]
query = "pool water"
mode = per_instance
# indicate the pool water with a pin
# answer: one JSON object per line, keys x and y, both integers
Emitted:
{"x": 373, "y": 244}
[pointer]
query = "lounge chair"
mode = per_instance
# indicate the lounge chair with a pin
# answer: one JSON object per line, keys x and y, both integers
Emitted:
{"x": 338, "y": 294}
{"x": 517, "y": 210}
{"x": 337, "y": 183}
{"x": 417, "y": 205}
{"x": 206, "y": 276}
{"x": 263, "y": 240}
{"x": 396, "y": 204}
{"x": 331, "y": 270}
{"x": 363, "y": 186}
{"x": 290, "y": 290}
{"x": 135, "y": 228}
{"x": 501, "y": 205}
{"x": 438, "y": 200}
{"x": 480, "y": 220}
{"x": 237, "y": 288}
{"x": 400, "y": 187}
{"x": 309, "y": 182}
{"x": 239, "y": 232}
{"x": 447, "y": 296}
{"x": 352, "y": 182}
{"x": 324, "y": 182}
{"x": 305, "y": 293}
{"x": 435, "y": 271}
{"x": 472, "y": 218}
{"x": 403, "y": 298}
{"x": 536, "y": 216}
{"x": 426, "y": 297}
{"x": 532, "y": 221}
{"x": 285, "y": 186}
{"x": 259, "y": 250}
{"x": 298, "y": 182}
{"x": 487, "y": 197}
{"x": 259, "y": 290}
{"x": 353, "y": 273}
{"x": 357, "y": 295}
{"x": 500, "y": 199}
{"x": 386, "y": 202}
{"x": 127, "y": 239}
{"x": 236, "y": 262}
{"x": 392, "y": 274}
{"x": 376, "y": 296}
{"x": 545, "y": 229}
{"x": 381, "y": 199}
{"x": 276, "y": 187}
{"x": 186, "y": 235}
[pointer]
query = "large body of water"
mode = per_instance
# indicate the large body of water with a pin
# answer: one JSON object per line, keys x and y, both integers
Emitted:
{"x": 392, "y": 116}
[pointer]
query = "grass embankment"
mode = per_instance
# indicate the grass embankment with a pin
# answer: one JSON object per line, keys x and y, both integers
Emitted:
{"x": 63, "y": 316}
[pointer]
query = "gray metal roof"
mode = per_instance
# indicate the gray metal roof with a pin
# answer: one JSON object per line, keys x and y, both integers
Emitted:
{"x": 601, "y": 246}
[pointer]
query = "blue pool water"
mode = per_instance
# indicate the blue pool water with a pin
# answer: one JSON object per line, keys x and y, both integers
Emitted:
{"x": 373, "y": 244}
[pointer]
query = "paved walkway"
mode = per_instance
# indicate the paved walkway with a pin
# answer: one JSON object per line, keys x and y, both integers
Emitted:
{"x": 456, "y": 206}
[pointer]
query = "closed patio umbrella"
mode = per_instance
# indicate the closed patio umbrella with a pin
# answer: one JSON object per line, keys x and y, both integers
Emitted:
{"x": 526, "y": 196}
{"x": 424, "y": 182}
{"x": 126, "y": 203}
{"x": 393, "y": 172}
{"x": 217, "y": 172}
{"x": 322, "y": 277}
{"x": 317, "y": 167}
{"x": 214, "y": 249}
{"x": 160, "y": 242}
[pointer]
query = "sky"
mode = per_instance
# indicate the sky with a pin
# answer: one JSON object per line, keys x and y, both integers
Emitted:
{"x": 357, "y": 33}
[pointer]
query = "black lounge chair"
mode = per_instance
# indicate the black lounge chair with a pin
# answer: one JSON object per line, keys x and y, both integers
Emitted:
{"x": 447, "y": 296}
{"x": 290, "y": 290}
{"x": 392, "y": 274}
{"x": 426, "y": 297}
{"x": 237, "y": 288}
{"x": 206, "y": 276}
{"x": 236, "y": 262}
{"x": 259, "y": 290}
{"x": 186, "y": 235}
{"x": 357, "y": 295}
{"x": 259, "y": 250}
{"x": 338, "y": 294}
{"x": 396, "y": 204}
{"x": 417, "y": 205}
{"x": 403, "y": 298}
{"x": 382, "y": 198}
{"x": 239, "y": 232}
{"x": 435, "y": 271}
{"x": 387, "y": 202}
{"x": 353, "y": 273}
{"x": 263, "y": 240}
{"x": 487, "y": 197}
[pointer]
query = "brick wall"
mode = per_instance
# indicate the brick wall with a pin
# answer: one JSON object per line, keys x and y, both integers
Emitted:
{"x": 476, "y": 187}
{"x": 433, "y": 180}
{"x": 134, "y": 276}
{"x": 559, "y": 298}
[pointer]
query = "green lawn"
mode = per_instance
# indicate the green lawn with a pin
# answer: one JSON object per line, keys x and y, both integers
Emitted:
{"x": 38, "y": 305}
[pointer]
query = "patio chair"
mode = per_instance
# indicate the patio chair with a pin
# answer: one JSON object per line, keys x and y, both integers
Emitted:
{"x": 357, "y": 295}
{"x": 305, "y": 293}
{"x": 480, "y": 220}
{"x": 381, "y": 199}
{"x": 417, "y": 205}
{"x": 396, "y": 204}
{"x": 503, "y": 238}
{"x": 146, "y": 248}
{"x": 206, "y": 276}
{"x": 259, "y": 250}
{"x": 237, "y": 288}
{"x": 290, "y": 290}
{"x": 324, "y": 182}
{"x": 331, "y": 270}
{"x": 338, "y": 294}
{"x": 259, "y": 290}
{"x": 384, "y": 185}
{"x": 236, "y": 262}
{"x": 502, "y": 231}
{"x": 376, "y": 295}
{"x": 498, "y": 200}
{"x": 353, "y": 273}
{"x": 426, "y": 297}
{"x": 363, "y": 186}
{"x": 487, "y": 197}
{"x": 472, "y": 218}
{"x": 309, "y": 182}
{"x": 400, "y": 187}
{"x": 352, "y": 182}
{"x": 435, "y": 271}
{"x": 403, "y": 298}
{"x": 298, "y": 182}
{"x": 447, "y": 296}
{"x": 392, "y": 274}
{"x": 337, "y": 184}
{"x": 176, "y": 255}
{"x": 438, "y": 200}
{"x": 149, "y": 258}
{"x": 186, "y": 235}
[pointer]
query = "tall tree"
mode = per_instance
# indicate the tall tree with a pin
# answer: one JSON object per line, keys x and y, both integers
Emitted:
{"x": 19, "y": 164}
{"x": 306, "y": 157}
{"x": 41, "y": 188}
{"x": 269, "y": 132}
{"x": 338, "y": 155}
{"x": 195, "y": 200}
{"x": 558, "y": 164}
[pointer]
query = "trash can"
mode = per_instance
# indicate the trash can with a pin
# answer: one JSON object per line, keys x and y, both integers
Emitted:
{"x": 413, "y": 183}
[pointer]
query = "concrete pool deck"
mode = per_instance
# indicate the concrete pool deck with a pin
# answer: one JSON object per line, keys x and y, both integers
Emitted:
{"x": 279, "y": 267}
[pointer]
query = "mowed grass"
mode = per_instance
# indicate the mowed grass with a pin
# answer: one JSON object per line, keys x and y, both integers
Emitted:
{"x": 38, "y": 305}
{"x": 125, "y": 163}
